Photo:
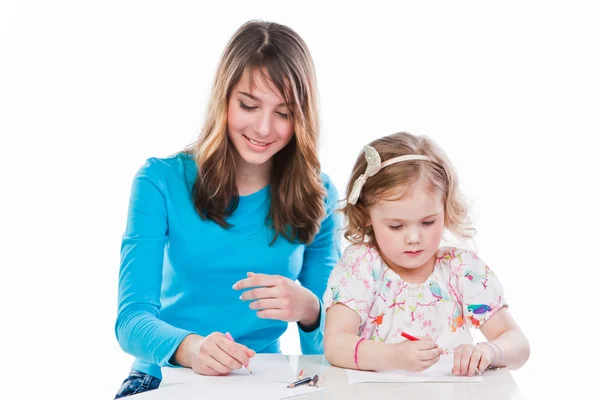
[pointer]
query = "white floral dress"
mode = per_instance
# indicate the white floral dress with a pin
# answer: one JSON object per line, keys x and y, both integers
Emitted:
{"x": 460, "y": 293}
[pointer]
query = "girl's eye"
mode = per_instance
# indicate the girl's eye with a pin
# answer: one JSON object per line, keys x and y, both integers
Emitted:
{"x": 395, "y": 227}
{"x": 427, "y": 223}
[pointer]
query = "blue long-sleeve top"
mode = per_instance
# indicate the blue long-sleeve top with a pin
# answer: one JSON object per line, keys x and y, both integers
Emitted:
{"x": 177, "y": 271}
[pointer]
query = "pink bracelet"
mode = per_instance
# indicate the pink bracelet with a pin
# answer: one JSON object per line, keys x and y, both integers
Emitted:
{"x": 356, "y": 352}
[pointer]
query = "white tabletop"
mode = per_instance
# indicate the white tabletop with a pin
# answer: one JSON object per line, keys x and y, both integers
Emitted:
{"x": 496, "y": 385}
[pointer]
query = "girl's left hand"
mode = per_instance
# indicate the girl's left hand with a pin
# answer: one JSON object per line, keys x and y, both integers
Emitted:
{"x": 278, "y": 297}
{"x": 470, "y": 359}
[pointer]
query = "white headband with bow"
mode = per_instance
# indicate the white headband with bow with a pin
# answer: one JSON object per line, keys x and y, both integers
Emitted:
{"x": 374, "y": 165}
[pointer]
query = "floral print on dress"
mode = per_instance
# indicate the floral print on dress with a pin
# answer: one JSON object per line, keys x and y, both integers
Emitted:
{"x": 461, "y": 293}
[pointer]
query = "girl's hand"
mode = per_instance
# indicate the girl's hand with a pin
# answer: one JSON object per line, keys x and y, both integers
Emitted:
{"x": 416, "y": 356}
{"x": 278, "y": 297}
{"x": 470, "y": 359}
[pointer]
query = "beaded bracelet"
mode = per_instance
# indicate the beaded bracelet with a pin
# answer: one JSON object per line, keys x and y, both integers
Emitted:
{"x": 493, "y": 363}
{"x": 499, "y": 351}
{"x": 356, "y": 351}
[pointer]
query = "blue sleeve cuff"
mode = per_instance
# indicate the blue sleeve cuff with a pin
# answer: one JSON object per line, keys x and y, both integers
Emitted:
{"x": 166, "y": 361}
{"x": 312, "y": 342}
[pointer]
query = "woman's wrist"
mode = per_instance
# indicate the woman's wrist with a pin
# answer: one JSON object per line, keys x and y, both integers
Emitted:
{"x": 186, "y": 350}
{"x": 312, "y": 318}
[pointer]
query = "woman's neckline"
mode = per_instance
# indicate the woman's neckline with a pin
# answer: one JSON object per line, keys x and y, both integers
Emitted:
{"x": 255, "y": 193}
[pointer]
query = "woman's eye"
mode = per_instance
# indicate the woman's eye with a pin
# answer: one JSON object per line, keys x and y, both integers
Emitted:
{"x": 247, "y": 107}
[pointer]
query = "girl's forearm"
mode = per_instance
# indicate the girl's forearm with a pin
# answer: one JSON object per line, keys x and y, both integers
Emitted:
{"x": 371, "y": 355}
{"x": 511, "y": 349}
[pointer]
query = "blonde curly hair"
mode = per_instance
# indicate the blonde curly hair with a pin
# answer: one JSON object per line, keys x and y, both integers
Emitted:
{"x": 439, "y": 174}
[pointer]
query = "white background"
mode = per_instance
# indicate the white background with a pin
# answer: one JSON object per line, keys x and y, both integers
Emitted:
{"x": 89, "y": 90}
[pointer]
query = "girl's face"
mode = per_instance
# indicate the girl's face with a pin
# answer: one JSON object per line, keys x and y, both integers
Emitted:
{"x": 259, "y": 123}
{"x": 409, "y": 230}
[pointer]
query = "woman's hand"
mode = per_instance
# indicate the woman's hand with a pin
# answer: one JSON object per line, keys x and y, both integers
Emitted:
{"x": 214, "y": 354}
{"x": 278, "y": 297}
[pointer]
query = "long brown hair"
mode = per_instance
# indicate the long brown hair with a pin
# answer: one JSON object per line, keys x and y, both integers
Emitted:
{"x": 281, "y": 56}
{"x": 439, "y": 174}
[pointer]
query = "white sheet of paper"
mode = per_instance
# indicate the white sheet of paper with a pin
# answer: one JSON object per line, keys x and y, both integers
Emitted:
{"x": 265, "y": 368}
{"x": 237, "y": 390}
{"x": 439, "y": 372}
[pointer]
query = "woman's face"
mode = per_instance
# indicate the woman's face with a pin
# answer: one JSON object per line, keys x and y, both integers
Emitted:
{"x": 259, "y": 123}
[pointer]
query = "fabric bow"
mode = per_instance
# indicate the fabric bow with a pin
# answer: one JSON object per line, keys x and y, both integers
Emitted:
{"x": 373, "y": 167}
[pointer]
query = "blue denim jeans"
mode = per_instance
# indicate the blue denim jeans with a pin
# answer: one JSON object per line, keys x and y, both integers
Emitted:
{"x": 137, "y": 382}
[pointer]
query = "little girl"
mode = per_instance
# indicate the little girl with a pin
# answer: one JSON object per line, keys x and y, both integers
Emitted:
{"x": 395, "y": 282}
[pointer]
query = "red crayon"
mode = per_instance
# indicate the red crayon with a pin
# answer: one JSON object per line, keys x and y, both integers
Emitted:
{"x": 409, "y": 337}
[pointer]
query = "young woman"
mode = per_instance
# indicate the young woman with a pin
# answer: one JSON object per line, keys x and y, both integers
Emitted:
{"x": 217, "y": 235}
